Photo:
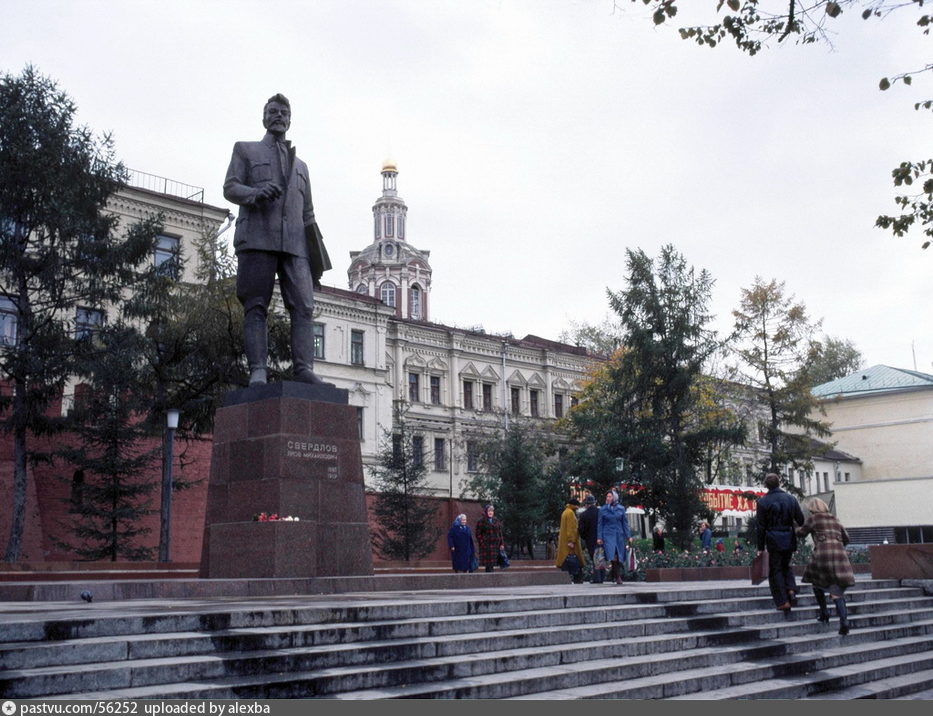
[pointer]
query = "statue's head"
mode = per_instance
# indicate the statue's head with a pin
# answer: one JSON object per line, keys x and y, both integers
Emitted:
{"x": 277, "y": 114}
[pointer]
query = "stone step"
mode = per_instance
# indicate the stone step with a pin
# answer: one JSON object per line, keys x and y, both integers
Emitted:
{"x": 827, "y": 676}
{"x": 338, "y": 667}
{"x": 702, "y": 600}
{"x": 460, "y": 644}
{"x": 912, "y": 685}
{"x": 564, "y": 674}
{"x": 594, "y": 610}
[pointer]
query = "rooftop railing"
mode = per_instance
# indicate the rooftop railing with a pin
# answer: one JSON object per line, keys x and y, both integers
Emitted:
{"x": 161, "y": 185}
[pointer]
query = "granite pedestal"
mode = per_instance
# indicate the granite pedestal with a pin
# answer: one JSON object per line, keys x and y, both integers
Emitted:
{"x": 291, "y": 449}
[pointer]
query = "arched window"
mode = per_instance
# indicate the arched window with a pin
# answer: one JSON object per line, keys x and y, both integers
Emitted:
{"x": 362, "y": 289}
{"x": 414, "y": 309}
{"x": 387, "y": 293}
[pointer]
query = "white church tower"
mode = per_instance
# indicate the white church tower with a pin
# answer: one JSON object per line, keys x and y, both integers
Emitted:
{"x": 390, "y": 268}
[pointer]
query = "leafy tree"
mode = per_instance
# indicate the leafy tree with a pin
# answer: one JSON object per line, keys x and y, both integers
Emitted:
{"x": 832, "y": 358}
{"x": 405, "y": 527}
{"x": 108, "y": 451}
{"x": 59, "y": 250}
{"x": 773, "y": 341}
{"x": 522, "y": 481}
{"x": 754, "y": 24}
{"x": 602, "y": 339}
{"x": 643, "y": 405}
{"x": 193, "y": 349}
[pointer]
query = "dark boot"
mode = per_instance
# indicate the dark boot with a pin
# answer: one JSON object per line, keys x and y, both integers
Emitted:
{"x": 843, "y": 615}
{"x": 255, "y": 344}
{"x": 821, "y": 600}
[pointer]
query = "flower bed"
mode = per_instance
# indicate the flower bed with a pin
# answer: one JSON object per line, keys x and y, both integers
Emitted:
{"x": 673, "y": 565}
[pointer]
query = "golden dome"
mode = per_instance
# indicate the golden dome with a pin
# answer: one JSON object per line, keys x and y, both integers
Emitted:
{"x": 389, "y": 166}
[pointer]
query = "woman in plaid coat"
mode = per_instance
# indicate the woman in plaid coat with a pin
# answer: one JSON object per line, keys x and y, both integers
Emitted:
{"x": 829, "y": 569}
{"x": 489, "y": 538}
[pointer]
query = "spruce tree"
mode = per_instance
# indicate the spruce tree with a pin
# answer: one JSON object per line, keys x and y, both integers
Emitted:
{"x": 405, "y": 527}
{"x": 643, "y": 406}
{"x": 110, "y": 450}
{"x": 60, "y": 251}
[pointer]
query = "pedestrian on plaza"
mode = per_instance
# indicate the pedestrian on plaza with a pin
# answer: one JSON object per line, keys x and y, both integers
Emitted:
{"x": 657, "y": 539}
{"x": 489, "y": 538}
{"x": 829, "y": 569}
{"x": 720, "y": 545}
{"x": 587, "y": 525}
{"x": 568, "y": 542}
{"x": 613, "y": 534}
{"x": 706, "y": 536}
{"x": 460, "y": 542}
{"x": 777, "y": 513}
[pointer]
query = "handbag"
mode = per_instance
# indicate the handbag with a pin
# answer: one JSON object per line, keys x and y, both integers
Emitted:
{"x": 571, "y": 565}
{"x": 474, "y": 565}
{"x": 759, "y": 568}
{"x": 631, "y": 562}
{"x": 599, "y": 559}
{"x": 502, "y": 560}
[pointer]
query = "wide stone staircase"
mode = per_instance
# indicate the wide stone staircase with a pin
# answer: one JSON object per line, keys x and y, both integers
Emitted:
{"x": 635, "y": 641}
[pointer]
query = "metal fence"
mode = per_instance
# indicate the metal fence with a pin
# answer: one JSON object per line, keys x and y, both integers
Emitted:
{"x": 162, "y": 185}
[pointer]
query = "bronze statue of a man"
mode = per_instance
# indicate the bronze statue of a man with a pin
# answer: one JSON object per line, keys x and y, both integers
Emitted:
{"x": 276, "y": 234}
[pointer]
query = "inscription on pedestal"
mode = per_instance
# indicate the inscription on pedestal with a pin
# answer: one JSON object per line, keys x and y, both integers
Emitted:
{"x": 323, "y": 455}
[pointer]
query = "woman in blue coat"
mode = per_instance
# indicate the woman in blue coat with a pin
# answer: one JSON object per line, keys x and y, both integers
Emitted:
{"x": 612, "y": 533}
{"x": 460, "y": 541}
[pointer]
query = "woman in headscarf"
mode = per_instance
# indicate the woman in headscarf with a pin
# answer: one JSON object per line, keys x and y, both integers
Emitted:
{"x": 568, "y": 540}
{"x": 613, "y": 534}
{"x": 460, "y": 541}
{"x": 829, "y": 569}
{"x": 489, "y": 538}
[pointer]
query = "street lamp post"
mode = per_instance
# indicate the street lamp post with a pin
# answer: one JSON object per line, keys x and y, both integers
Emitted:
{"x": 165, "y": 521}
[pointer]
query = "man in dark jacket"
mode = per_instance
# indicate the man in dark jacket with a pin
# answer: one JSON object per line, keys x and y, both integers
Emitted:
{"x": 776, "y": 513}
{"x": 587, "y": 523}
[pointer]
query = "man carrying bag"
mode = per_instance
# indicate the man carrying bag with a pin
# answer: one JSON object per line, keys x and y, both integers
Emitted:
{"x": 777, "y": 514}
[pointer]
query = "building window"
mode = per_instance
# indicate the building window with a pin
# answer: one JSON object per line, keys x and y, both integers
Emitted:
{"x": 468, "y": 394}
{"x": 487, "y": 396}
{"x": 435, "y": 390}
{"x": 376, "y": 226}
{"x": 558, "y": 405}
{"x": 415, "y": 307}
{"x": 359, "y": 422}
{"x": 472, "y": 457}
{"x": 387, "y": 293}
{"x": 533, "y": 396}
{"x": 417, "y": 450}
{"x": 516, "y": 401}
{"x": 165, "y": 256}
{"x": 8, "y": 322}
{"x": 413, "y": 388}
{"x": 440, "y": 455}
{"x": 356, "y": 347}
{"x": 317, "y": 330}
{"x": 362, "y": 289}
{"x": 390, "y": 225}
{"x": 87, "y": 321}
{"x": 846, "y": 479}
{"x": 401, "y": 226}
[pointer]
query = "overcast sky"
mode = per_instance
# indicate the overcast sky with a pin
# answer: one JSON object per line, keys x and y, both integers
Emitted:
{"x": 535, "y": 141}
